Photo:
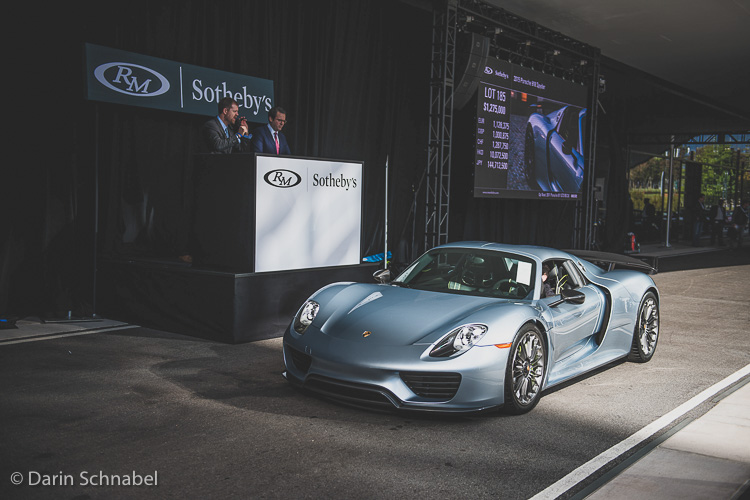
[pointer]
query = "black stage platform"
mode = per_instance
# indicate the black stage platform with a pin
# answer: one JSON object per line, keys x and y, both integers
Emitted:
{"x": 220, "y": 297}
{"x": 216, "y": 305}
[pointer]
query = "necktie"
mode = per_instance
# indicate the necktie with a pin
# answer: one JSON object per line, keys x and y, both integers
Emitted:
{"x": 276, "y": 138}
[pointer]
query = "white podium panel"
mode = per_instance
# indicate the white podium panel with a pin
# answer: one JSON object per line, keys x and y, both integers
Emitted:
{"x": 308, "y": 213}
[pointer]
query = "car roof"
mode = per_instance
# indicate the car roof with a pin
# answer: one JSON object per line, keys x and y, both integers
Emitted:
{"x": 536, "y": 252}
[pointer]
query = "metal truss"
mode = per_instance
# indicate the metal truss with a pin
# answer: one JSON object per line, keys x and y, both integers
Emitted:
{"x": 521, "y": 41}
{"x": 587, "y": 210}
{"x": 698, "y": 138}
{"x": 437, "y": 199}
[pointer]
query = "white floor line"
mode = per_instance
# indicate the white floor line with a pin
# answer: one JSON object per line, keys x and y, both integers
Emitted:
{"x": 596, "y": 463}
{"x": 53, "y": 336}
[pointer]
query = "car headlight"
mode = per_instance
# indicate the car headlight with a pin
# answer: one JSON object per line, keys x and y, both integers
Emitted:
{"x": 459, "y": 340}
{"x": 305, "y": 316}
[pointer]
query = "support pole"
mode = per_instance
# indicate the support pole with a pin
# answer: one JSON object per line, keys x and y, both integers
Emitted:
{"x": 385, "y": 230}
{"x": 670, "y": 191}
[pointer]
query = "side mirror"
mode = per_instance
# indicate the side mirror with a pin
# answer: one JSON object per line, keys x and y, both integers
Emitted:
{"x": 567, "y": 148}
{"x": 571, "y": 297}
{"x": 382, "y": 275}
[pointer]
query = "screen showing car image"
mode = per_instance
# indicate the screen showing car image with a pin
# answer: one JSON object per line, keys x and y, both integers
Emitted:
{"x": 530, "y": 134}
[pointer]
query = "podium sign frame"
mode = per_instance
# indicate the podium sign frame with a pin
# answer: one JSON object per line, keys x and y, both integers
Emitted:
{"x": 308, "y": 213}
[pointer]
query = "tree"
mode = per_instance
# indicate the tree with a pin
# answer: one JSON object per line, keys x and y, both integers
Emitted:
{"x": 648, "y": 173}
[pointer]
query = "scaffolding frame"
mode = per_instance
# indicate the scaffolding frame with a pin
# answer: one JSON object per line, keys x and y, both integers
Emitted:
{"x": 445, "y": 30}
{"x": 440, "y": 146}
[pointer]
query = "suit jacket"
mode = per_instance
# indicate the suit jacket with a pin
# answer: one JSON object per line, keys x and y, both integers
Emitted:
{"x": 262, "y": 142}
{"x": 739, "y": 217}
{"x": 699, "y": 212}
{"x": 215, "y": 140}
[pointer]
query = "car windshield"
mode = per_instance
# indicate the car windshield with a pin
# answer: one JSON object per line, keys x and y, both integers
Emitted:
{"x": 482, "y": 273}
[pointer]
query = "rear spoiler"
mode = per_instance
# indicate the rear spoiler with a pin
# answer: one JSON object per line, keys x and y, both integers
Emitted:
{"x": 609, "y": 261}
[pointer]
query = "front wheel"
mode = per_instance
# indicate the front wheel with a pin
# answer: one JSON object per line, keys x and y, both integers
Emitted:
{"x": 646, "y": 332}
{"x": 525, "y": 371}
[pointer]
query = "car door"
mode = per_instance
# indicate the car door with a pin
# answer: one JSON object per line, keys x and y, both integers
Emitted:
{"x": 572, "y": 324}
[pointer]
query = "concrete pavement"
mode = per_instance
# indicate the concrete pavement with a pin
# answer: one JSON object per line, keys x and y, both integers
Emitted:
{"x": 707, "y": 458}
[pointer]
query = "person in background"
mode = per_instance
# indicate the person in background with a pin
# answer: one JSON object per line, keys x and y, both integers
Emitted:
{"x": 649, "y": 219}
{"x": 699, "y": 215}
{"x": 268, "y": 138}
{"x": 547, "y": 290}
{"x": 740, "y": 216}
{"x": 718, "y": 218}
{"x": 219, "y": 135}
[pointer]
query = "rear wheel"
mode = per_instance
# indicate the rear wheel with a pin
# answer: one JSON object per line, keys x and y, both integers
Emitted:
{"x": 646, "y": 332}
{"x": 525, "y": 371}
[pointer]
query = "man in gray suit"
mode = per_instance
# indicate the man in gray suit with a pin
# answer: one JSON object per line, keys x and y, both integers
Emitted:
{"x": 218, "y": 135}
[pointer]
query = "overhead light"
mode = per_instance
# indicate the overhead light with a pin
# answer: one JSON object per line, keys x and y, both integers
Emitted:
{"x": 493, "y": 31}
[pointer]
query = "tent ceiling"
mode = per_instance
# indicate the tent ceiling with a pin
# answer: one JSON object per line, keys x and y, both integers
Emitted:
{"x": 697, "y": 45}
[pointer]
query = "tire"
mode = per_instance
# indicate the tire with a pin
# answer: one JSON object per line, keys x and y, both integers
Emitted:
{"x": 529, "y": 160}
{"x": 524, "y": 374}
{"x": 646, "y": 333}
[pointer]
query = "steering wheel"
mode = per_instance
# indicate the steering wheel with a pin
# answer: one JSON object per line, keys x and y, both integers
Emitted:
{"x": 504, "y": 285}
{"x": 468, "y": 277}
{"x": 511, "y": 288}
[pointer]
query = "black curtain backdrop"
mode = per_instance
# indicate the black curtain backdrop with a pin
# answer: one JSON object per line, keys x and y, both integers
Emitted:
{"x": 354, "y": 78}
{"x": 352, "y": 75}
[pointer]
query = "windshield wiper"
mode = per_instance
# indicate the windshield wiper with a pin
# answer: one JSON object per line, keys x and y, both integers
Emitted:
{"x": 401, "y": 284}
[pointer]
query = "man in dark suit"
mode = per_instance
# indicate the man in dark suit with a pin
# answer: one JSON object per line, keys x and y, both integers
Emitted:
{"x": 218, "y": 134}
{"x": 268, "y": 138}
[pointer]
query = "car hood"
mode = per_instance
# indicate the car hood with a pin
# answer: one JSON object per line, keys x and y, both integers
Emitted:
{"x": 397, "y": 316}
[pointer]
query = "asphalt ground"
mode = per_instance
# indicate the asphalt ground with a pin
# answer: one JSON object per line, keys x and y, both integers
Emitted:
{"x": 202, "y": 419}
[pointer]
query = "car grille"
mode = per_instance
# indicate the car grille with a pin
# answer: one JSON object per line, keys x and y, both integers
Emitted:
{"x": 442, "y": 386}
{"x": 358, "y": 394}
{"x": 301, "y": 360}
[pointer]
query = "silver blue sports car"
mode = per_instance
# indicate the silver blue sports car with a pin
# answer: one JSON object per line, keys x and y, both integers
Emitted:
{"x": 553, "y": 151}
{"x": 472, "y": 326}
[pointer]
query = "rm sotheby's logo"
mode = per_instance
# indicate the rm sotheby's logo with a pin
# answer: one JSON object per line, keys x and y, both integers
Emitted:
{"x": 131, "y": 79}
{"x": 282, "y": 178}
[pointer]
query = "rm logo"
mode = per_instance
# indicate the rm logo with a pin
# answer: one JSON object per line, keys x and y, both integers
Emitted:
{"x": 282, "y": 178}
{"x": 131, "y": 79}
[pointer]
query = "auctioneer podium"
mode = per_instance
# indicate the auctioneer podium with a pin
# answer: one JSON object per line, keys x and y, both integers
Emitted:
{"x": 268, "y": 231}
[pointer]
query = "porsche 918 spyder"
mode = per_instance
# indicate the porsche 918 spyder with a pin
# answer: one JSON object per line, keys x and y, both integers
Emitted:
{"x": 467, "y": 327}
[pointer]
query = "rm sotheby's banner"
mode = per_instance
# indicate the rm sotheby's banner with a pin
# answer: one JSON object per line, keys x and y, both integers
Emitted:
{"x": 308, "y": 213}
{"x": 122, "y": 77}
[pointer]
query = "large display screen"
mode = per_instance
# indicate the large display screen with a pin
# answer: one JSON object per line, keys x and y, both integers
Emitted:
{"x": 308, "y": 213}
{"x": 530, "y": 134}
